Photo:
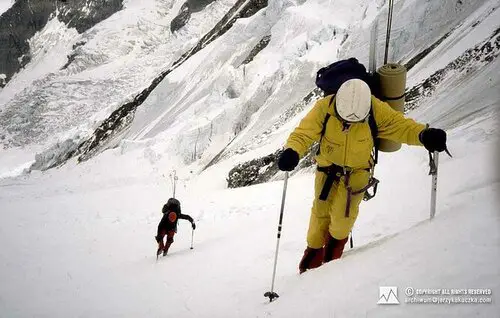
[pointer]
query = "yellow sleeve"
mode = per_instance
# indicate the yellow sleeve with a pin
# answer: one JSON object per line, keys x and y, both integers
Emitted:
{"x": 309, "y": 129}
{"x": 394, "y": 126}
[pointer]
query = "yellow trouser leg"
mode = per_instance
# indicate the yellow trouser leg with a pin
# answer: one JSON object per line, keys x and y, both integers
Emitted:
{"x": 320, "y": 215}
{"x": 340, "y": 225}
{"x": 329, "y": 216}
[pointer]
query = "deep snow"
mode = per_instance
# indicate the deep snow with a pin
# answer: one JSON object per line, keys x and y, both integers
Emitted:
{"x": 81, "y": 240}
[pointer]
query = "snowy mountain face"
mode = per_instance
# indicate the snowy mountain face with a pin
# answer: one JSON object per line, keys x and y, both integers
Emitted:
{"x": 122, "y": 118}
{"x": 115, "y": 81}
{"x": 223, "y": 86}
{"x": 265, "y": 66}
{"x": 124, "y": 99}
{"x": 25, "y": 18}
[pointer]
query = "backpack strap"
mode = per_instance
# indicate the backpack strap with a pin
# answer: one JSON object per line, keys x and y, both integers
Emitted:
{"x": 374, "y": 131}
{"x": 327, "y": 116}
{"x": 373, "y": 182}
{"x": 334, "y": 174}
{"x": 371, "y": 123}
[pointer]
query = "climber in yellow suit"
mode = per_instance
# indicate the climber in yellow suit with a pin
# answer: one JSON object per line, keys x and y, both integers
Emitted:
{"x": 345, "y": 155}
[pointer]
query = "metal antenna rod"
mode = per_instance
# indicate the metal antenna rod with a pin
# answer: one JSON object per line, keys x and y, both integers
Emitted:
{"x": 388, "y": 33}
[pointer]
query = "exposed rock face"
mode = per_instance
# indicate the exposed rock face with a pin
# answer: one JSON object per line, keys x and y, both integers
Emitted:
{"x": 84, "y": 14}
{"x": 198, "y": 5}
{"x": 263, "y": 169}
{"x": 17, "y": 25}
{"x": 26, "y": 17}
{"x": 259, "y": 47}
{"x": 181, "y": 19}
{"x": 254, "y": 171}
{"x": 190, "y": 6}
{"x": 481, "y": 54}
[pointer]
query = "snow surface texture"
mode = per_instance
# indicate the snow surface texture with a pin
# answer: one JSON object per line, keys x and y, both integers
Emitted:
{"x": 78, "y": 240}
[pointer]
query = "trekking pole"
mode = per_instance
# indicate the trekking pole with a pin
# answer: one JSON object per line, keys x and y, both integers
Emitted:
{"x": 157, "y": 254}
{"x": 174, "y": 181}
{"x": 433, "y": 163}
{"x": 271, "y": 294}
{"x": 192, "y": 238}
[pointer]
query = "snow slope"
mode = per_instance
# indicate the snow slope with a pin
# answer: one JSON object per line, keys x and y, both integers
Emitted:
{"x": 81, "y": 240}
{"x": 78, "y": 240}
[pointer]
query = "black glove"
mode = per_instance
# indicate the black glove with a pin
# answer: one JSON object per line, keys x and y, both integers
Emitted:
{"x": 433, "y": 139}
{"x": 193, "y": 225}
{"x": 288, "y": 160}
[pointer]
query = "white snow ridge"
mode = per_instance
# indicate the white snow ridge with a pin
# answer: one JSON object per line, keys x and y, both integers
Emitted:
{"x": 78, "y": 236}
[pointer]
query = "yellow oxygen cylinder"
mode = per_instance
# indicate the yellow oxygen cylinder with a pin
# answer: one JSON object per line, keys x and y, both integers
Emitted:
{"x": 392, "y": 88}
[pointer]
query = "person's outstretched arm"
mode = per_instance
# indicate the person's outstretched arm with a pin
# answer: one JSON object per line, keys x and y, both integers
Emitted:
{"x": 309, "y": 129}
{"x": 393, "y": 125}
{"x": 187, "y": 217}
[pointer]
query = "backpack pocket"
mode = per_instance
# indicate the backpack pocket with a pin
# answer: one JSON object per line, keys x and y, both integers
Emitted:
{"x": 333, "y": 150}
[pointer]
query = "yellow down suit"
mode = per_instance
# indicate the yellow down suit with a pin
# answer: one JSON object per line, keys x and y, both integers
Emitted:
{"x": 349, "y": 147}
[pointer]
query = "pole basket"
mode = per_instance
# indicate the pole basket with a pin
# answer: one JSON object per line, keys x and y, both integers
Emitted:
{"x": 271, "y": 295}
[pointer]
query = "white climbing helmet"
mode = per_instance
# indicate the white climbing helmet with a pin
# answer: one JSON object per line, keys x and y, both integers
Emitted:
{"x": 353, "y": 100}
